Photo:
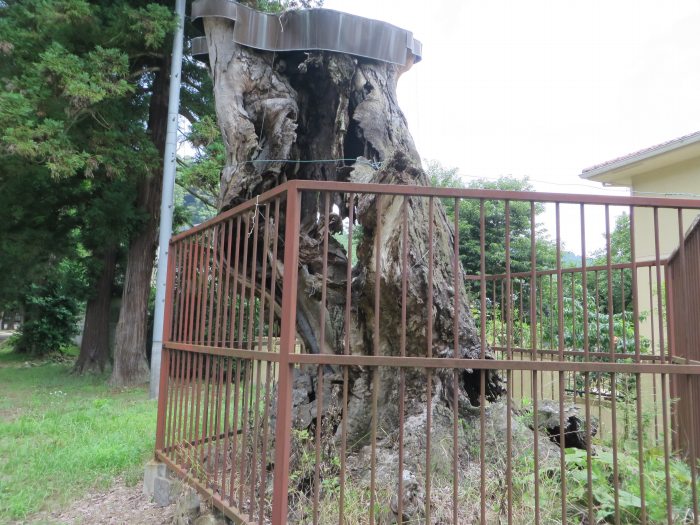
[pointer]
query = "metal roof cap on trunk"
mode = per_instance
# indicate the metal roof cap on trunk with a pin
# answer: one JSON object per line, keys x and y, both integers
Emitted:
{"x": 310, "y": 29}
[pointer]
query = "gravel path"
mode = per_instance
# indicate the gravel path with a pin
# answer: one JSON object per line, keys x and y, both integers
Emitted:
{"x": 120, "y": 505}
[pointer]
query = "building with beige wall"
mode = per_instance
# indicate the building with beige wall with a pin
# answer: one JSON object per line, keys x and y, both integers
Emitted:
{"x": 668, "y": 170}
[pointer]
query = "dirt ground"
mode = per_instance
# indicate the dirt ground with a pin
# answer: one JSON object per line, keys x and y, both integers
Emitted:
{"x": 119, "y": 505}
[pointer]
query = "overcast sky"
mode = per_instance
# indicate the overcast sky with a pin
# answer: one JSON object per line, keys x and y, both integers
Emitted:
{"x": 545, "y": 88}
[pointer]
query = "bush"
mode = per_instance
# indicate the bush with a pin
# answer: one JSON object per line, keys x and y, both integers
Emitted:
{"x": 52, "y": 310}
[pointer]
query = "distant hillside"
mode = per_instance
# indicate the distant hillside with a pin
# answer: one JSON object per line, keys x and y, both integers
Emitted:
{"x": 570, "y": 259}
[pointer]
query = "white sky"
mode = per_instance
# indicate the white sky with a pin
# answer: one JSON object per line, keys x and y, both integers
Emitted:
{"x": 545, "y": 88}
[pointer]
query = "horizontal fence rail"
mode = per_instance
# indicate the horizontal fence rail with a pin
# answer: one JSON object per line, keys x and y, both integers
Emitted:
{"x": 358, "y": 353}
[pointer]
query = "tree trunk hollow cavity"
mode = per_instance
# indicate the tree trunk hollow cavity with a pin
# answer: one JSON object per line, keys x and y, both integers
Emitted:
{"x": 334, "y": 117}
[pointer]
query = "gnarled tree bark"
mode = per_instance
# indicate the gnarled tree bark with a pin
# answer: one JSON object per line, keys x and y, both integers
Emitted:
{"x": 275, "y": 109}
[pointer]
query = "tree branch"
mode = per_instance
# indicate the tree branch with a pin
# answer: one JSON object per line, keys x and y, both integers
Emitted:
{"x": 188, "y": 114}
{"x": 141, "y": 71}
{"x": 196, "y": 195}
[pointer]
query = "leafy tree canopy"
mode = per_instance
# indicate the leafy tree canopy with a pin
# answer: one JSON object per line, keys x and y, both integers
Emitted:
{"x": 77, "y": 84}
{"x": 73, "y": 75}
{"x": 520, "y": 227}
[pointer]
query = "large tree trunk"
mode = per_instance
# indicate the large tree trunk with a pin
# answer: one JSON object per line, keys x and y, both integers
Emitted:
{"x": 94, "y": 347}
{"x": 320, "y": 105}
{"x": 131, "y": 339}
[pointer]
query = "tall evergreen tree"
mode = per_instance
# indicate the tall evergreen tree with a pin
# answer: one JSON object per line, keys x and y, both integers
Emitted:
{"x": 84, "y": 99}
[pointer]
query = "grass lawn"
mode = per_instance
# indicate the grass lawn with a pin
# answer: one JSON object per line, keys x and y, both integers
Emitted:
{"x": 62, "y": 435}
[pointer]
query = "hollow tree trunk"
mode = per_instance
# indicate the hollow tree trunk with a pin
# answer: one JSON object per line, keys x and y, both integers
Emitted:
{"x": 131, "y": 338}
{"x": 322, "y": 105}
{"x": 94, "y": 347}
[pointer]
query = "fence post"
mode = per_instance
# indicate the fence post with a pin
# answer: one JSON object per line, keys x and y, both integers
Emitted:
{"x": 165, "y": 362}
{"x": 287, "y": 340}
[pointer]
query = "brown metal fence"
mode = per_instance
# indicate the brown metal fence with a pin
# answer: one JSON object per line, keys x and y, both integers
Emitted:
{"x": 684, "y": 304}
{"x": 608, "y": 352}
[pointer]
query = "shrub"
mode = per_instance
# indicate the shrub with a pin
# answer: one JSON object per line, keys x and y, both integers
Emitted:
{"x": 52, "y": 310}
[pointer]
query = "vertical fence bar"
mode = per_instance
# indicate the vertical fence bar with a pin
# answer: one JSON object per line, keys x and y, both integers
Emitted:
{"x": 239, "y": 399}
{"x": 402, "y": 343}
{"x": 261, "y": 328}
{"x": 688, "y": 381}
{"x": 168, "y": 443}
{"x": 509, "y": 373}
{"x": 455, "y": 379}
{"x": 598, "y": 349}
{"x": 664, "y": 390}
{"x": 375, "y": 352}
{"x": 227, "y": 407}
{"x": 637, "y": 358}
{"x": 346, "y": 351}
{"x": 560, "y": 344}
{"x": 204, "y": 428}
{"x": 613, "y": 377}
{"x": 191, "y": 288}
{"x": 287, "y": 339}
{"x": 321, "y": 342}
{"x": 244, "y": 275}
{"x": 226, "y": 327}
{"x": 178, "y": 327}
{"x": 235, "y": 296}
{"x": 167, "y": 336}
{"x": 494, "y": 308}
{"x": 533, "y": 357}
{"x": 251, "y": 365}
{"x": 482, "y": 383}
{"x": 670, "y": 279}
{"x": 429, "y": 353}
{"x": 203, "y": 288}
{"x": 217, "y": 269}
{"x": 694, "y": 343}
{"x": 174, "y": 424}
{"x": 195, "y": 404}
{"x": 183, "y": 425}
{"x": 586, "y": 375}
{"x": 242, "y": 460}
{"x": 270, "y": 365}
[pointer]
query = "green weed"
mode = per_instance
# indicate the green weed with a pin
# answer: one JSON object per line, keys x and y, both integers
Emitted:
{"x": 62, "y": 435}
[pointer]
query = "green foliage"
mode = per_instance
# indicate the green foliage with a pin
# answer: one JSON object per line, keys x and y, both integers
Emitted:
{"x": 520, "y": 226}
{"x": 52, "y": 310}
{"x": 342, "y": 238}
{"x": 277, "y": 6}
{"x": 594, "y": 316}
{"x": 62, "y": 435}
{"x": 585, "y": 321}
{"x": 37, "y": 227}
{"x": 629, "y": 498}
{"x": 620, "y": 252}
{"x": 79, "y": 82}
{"x": 210, "y": 156}
{"x": 67, "y": 74}
{"x": 198, "y": 177}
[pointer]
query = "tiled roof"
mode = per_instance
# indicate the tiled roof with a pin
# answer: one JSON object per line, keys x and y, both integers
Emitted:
{"x": 644, "y": 153}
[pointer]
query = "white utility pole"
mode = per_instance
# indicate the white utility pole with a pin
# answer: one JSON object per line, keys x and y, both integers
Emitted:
{"x": 166, "y": 203}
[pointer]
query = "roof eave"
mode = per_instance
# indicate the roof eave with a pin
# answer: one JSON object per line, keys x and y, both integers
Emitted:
{"x": 617, "y": 172}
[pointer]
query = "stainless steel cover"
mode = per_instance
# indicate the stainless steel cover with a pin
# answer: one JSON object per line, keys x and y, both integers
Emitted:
{"x": 310, "y": 29}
